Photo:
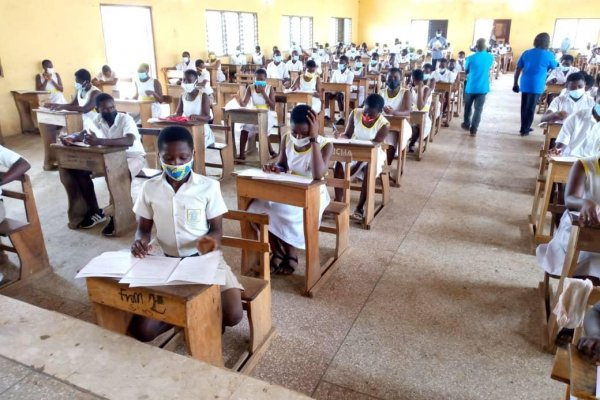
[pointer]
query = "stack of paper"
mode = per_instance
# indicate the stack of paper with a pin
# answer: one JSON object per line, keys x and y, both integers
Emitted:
{"x": 112, "y": 264}
{"x": 271, "y": 176}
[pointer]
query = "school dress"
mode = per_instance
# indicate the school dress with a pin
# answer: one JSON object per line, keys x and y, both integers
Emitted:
{"x": 394, "y": 102}
{"x": 361, "y": 132}
{"x": 257, "y": 59}
{"x": 260, "y": 103}
{"x": 361, "y": 89}
{"x": 142, "y": 87}
{"x": 194, "y": 107}
{"x": 311, "y": 86}
{"x": 551, "y": 256}
{"x": 82, "y": 99}
{"x": 55, "y": 96}
{"x": 426, "y": 108}
{"x": 561, "y": 75}
{"x": 286, "y": 221}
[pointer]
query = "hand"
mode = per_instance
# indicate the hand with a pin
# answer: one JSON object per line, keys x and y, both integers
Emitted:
{"x": 388, "y": 110}
{"x": 140, "y": 248}
{"x": 207, "y": 244}
{"x": 590, "y": 347}
{"x": 555, "y": 151}
{"x": 588, "y": 214}
{"x": 313, "y": 124}
{"x": 272, "y": 168}
{"x": 516, "y": 88}
{"x": 238, "y": 98}
{"x": 553, "y": 81}
{"x": 195, "y": 117}
{"x": 337, "y": 134}
{"x": 260, "y": 89}
{"x": 91, "y": 139}
{"x": 68, "y": 140}
{"x": 47, "y": 76}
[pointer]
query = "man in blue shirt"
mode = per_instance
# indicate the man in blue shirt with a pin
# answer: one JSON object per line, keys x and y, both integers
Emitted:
{"x": 532, "y": 68}
{"x": 437, "y": 44}
{"x": 477, "y": 67}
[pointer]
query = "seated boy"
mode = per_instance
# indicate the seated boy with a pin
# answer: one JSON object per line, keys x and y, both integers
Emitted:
{"x": 573, "y": 100}
{"x": 187, "y": 209}
{"x": 203, "y": 82}
{"x": 277, "y": 68}
{"x": 559, "y": 76}
{"x": 294, "y": 64}
{"x": 108, "y": 128}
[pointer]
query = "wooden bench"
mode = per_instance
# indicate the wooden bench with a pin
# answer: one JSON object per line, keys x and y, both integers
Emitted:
{"x": 417, "y": 118}
{"x": 445, "y": 91}
{"x": 26, "y": 237}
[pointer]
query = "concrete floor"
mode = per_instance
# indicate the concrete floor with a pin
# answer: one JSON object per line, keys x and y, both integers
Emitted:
{"x": 437, "y": 300}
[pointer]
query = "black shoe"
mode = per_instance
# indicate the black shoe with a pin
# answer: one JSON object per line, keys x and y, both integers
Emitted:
{"x": 473, "y": 132}
{"x": 411, "y": 148}
{"x": 109, "y": 229}
{"x": 465, "y": 127}
{"x": 340, "y": 122}
{"x": 524, "y": 133}
{"x": 92, "y": 220}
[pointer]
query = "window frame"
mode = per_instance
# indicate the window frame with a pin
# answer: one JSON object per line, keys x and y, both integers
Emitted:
{"x": 300, "y": 42}
{"x": 335, "y": 39}
{"x": 594, "y": 42}
{"x": 224, "y": 29}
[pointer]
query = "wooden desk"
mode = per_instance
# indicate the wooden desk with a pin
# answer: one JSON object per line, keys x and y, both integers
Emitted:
{"x": 257, "y": 117}
{"x": 27, "y": 101}
{"x": 445, "y": 90}
{"x": 367, "y": 154}
{"x": 361, "y": 81}
{"x": 195, "y": 308}
{"x": 108, "y": 88}
{"x": 305, "y": 196}
{"x": 397, "y": 125}
{"x": 226, "y": 92}
{"x": 418, "y": 118}
{"x": 175, "y": 91}
{"x": 48, "y": 120}
{"x": 111, "y": 162}
{"x": 141, "y": 107}
{"x": 329, "y": 87}
{"x": 196, "y": 128}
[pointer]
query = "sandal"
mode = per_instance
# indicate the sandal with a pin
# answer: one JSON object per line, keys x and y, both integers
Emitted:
{"x": 273, "y": 266}
{"x": 285, "y": 268}
{"x": 358, "y": 215}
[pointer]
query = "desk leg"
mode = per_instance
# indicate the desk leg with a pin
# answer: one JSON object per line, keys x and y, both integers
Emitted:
{"x": 48, "y": 134}
{"x": 250, "y": 259}
{"x": 311, "y": 238}
{"x": 149, "y": 143}
{"x": 347, "y": 103}
{"x": 24, "y": 109}
{"x": 77, "y": 207}
{"x": 119, "y": 186}
{"x": 199, "y": 150}
{"x": 111, "y": 318}
{"x": 204, "y": 321}
{"x": 145, "y": 114}
{"x": 263, "y": 139}
{"x": 370, "y": 204}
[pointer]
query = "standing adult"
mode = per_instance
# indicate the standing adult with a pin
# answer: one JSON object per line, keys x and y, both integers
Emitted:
{"x": 532, "y": 68}
{"x": 565, "y": 46}
{"x": 477, "y": 67}
{"x": 437, "y": 44}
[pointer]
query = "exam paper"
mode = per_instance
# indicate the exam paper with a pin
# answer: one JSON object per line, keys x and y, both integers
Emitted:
{"x": 352, "y": 141}
{"x": 282, "y": 177}
{"x": 111, "y": 264}
{"x": 151, "y": 269}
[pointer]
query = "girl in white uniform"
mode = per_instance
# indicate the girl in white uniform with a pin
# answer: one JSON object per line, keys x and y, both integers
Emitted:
{"x": 51, "y": 82}
{"x": 85, "y": 97}
{"x": 195, "y": 104}
{"x": 421, "y": 101}
{"x": 582, "y": 194}
{"x": 263, "y": 97}
{"x": 397, "y": 102}
{"x": 258, "y": 58}
{"x": 305, "y": 153}
{"x": 310, "y": 82}
{"x": 366, "y": 123}
{"x": 148, "y": 89}
{"x": 359, "y": 71}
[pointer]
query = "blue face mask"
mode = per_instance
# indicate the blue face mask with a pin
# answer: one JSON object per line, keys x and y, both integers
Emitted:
{"x": 426, "y": 77}
{"x": 178, "y": 172}
{"x": 261, "y": 83}
{"x": 142, "y": 75}
{"x": 342, "y": 67}
{"x": 277, "y": 58}
{"x": 358, "y": 64}
{"x": 295, "y": 58}
{"x": 597, "y": 109}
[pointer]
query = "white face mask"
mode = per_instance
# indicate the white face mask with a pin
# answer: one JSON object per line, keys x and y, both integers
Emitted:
{"x": 577, "y": 93}
{"x": 188, "y": 87}
{"x": 50, "y": 70}
{"x": 438, "y": 35}
{"x": 442, "y": 70}
{"x": 299, "y": 142}
{"x": 186, "y": 59}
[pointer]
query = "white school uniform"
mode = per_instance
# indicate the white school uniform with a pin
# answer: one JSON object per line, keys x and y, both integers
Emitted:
{"x": 395, "y": 102}
{"x": 560, "y": 75}
{"x": 551, "y": 256}
{"x": 277, "y": 71}
{"x": 257, "y": 58}
{"x": 124, "y": 124}
{"x": 142, "y": 87}
{"x": 82, "y": 99}
{"x": 581, "y": 135}
{"x": 194, "y": 107}
{"x": 55, "y": 96}
{"x": 564, "y": 102}
{"x": 404, "y": 59}
{"x": 205, "y": 76}
{"x": 346, "y": 77}
{"x": 183, "y": 66}
{"x": 101, "y": 77}
{"x": 258, "y": 101}
{"x": 460, "y": 67}
{"x": 182, "y": 218}
{"x": 362, "y": 132}
{"x": 7, "y": 159}
{"x": 239, "y": 59}
{"x": 427, "y": 128}
{"x": 286, "y": 221}
{"x": 311, "y": 86}
{"x": 447, "y": 76}
{"x": 293, "y": 66}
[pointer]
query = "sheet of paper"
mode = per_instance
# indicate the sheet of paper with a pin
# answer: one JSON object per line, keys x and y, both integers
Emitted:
{"x": 112, "y": 264}
{"x": 80, "y": 144}
{"x": 150, "y": 172}
{"x": 151, "y": 269}
{"x": 258, "y": 173}
{"x": 219, "y": 279}
{"x": 201, "y": 269}
{"x": 564, "y": 158}
{"x": 352, "y": 141}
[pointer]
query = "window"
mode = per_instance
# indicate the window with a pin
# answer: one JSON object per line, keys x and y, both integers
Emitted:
{"x": 421, "y": 30}
{"x": 341, "y": 30}
{"x": 580, "y": 32}
{"x": 226, "y": 30}
{"x": 298, "y": 30}
{"x": 484, "y": 28}
{"x": 128, "y": 39}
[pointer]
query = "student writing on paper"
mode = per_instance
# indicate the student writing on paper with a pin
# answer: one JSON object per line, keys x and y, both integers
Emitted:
{"x": 305, "y": 153}
{"x": 573, "y": 100}
{"x": 187, "y": 210}
{"x": 50, "y": 81}
{"x": 108, "y": 128}
{"x": 397, "y": 102}
{"x": 582, "y": 194}
{"x": 195, "y": 104}
{"x": 367, "y": 123}
{"x": 85, "y": 97}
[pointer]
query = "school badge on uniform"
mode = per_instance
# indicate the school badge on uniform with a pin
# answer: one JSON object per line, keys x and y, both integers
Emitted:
{"x": 194, "y": 217}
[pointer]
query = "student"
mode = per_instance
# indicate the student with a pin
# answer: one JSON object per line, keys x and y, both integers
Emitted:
{"x": 85, "y": 97}
{"x": 314, "y": 55}
{"x": 295, "y": 47}
{"x": 386, "y": 50}
{"x": 397, "y": 47}
{"x": 107, "y": 75}
{"x": 580, "y": 133}
{"x": 374, "y": 67}
{"x": 582, "y": 194}
{"x": 214, "y": 62}
{"x": 187, "y": 209}
{"x": 258, "y": 57}
{"x": 108, "y": 128}
{"x": 16, "y": 166}
{"x": 294, "y": 64}
{"x": 50, "y": 81}
{"x": 397, "y": 102}
{"x": 404, "y": 57}
{"x": 442, "y": 73}
{"x": 310, "y": 82}
{"x": 391, "y": 62}
{"x": 421, "y": 101}
{"x": 558, "y": 76}
{"x": 427, "y": 75}
{"x": 148, "y": 89}
{"x": 203, "y": 82}
{"x": 573, "y": 100}
{"x": 359, "y": 71}
{"x": 239, "y": 58}
{"x": 262, "y": 96}
{"x": 277, "y": 69}
{"x": 352, "y": 52}
{"x": 304, "y": 153}
{"x": 367, "y": 123}
{"x": 185, "y": 63}
{"x": 460, "y": 65}
{"x": 364, "y": 50}
{"x": 323, "y": 54}
{"x": 195, "y": 104}
{"x": 591, "y": 85}
{"x": 341, "y": 75}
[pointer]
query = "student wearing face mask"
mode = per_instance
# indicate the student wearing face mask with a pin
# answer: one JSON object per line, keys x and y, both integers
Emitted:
{"x": 85, "y": 97}
{"x": 573, "y": 100}
{"x": 107, "y": 128}
{"x": 352, "y": 52}
{"x": 460, "y": 63}
{"x": 397, "y": 102}
{"x": 427, "y": 76}
{"x": 559, "y": 75}
{"x": 294, "y": 64}
{"x": 263, "y": 97}
{"x": 374, "y": 66}
{"x": 49, "y": 80}
{"x": 391, "y": 62}
{"x": 341, "y": 75}
{"x": 421, "y": 101}
{"x": 314, "y": 55}
{"x": 258, "y": 57}
{"x": 238, "y": 58}
{"x": 443, "y": 74}
{"x": 195, "y": 104}
{"x": 203, "y": 83}
{"x": 304, "y": 153}
{"x": 323, "y": 54}
{"x": 310, "y": 81}
{"x": 367, "y": 123}
{"x": 148, "y": 89}
{"x": 277, "y": 68}
{"x": 436, "y": 45}
{"x": 185, "y": 63}
{"x": 214, "y": 63}
{"x": 187, "y": 209}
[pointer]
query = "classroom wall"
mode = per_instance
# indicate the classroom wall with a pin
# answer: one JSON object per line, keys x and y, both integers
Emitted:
{"x": 384, "y": 20}
{"x": 70, "y": 34}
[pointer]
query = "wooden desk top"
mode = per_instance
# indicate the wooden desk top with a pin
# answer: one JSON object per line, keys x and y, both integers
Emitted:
{"x": 168, "y": 123}
{"x": 283, "y": 183}
{"x": 62, "y": 112}
{"x": 247, "y": 110}
{"x": 582, "y": 374}
{"x": 89, "y": 150}
{"x": 133, "y": 101}
{"x": 30, "y": 92}
{"x": 185, "y": 292}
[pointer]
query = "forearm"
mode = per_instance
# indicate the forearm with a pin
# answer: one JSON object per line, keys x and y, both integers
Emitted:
{"x": 318, "y": 164}
{"x": 143, "y": 234}
{"x": 16, "y": 171}
{"x": 517, "y": 75}
{"x": 216, "y": 233}
{"x": 591, "y": 323}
